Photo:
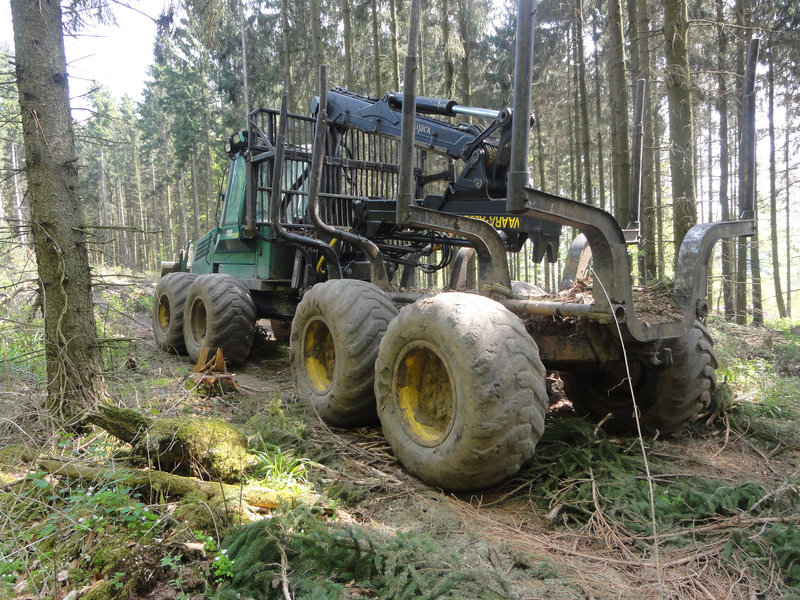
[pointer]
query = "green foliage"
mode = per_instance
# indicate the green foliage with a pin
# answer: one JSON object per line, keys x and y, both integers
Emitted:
{"x": 587, "y": 472}
{"x": 49, "y": 523}
{"x": 328, "y": 559}
{"x": 280, "y": 470}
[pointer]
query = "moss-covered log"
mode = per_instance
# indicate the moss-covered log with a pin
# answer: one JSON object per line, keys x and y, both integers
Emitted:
{"x": 203, "y": 447}
{"x": 169, "y": 485}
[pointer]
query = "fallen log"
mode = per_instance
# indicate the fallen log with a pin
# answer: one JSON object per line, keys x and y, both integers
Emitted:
{"x": 208, "y": 448}
{"x": 159, "y": 484}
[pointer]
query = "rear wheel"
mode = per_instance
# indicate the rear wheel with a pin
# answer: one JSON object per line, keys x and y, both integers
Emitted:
{"x": 168, "y": 305}
{"x": 219, "y": 313}
{"x": 461, "y": 391}
{"x": 334, "y": 341}
{"x": 668, "y": 398}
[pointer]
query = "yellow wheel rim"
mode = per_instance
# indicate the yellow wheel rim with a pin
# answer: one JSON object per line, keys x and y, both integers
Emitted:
{"x": 319, "y": 355}
{"x": 423, "y": 392}
{"x": 163, "y": 312}
{"x": 199, "y": 321}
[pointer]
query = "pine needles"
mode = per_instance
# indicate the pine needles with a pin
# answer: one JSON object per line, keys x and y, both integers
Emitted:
{"x": 315, "y": 559}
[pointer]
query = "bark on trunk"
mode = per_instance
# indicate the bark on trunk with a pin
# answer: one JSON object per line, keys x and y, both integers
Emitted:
{"x": 621, "y": 156}
{"x": 773, "y": 192}
{"x": 681, "y": 137}
{"x": 72, "y": 355}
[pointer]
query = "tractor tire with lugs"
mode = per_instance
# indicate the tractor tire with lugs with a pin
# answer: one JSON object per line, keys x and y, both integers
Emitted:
{"x": 668, "y": 398}
{"x": 461, "y": 391}
{"x": 219, "y": 313}
{"x": 333, "y": 345}
{"x": 168, "y": 304}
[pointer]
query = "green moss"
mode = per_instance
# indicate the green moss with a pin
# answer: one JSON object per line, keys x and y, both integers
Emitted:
{"x": 193, "y": 513}
{"x": 209, "y": 448}
{"x": 15, "y": 456}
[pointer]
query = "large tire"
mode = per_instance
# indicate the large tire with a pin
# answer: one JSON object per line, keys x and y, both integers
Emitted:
{"x": 334, "y": 341}
{"x": 668, "y": 398}
{"x": 219, "y": 313}
{"x": 168, "y": 304}
{"x": 461, "y": 391}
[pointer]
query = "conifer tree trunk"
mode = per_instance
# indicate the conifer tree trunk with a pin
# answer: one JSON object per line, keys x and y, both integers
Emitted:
{"x": 647, "y": 216}
{"x": 728, "y": 245}
{"x": 621, "y": 153}
{"x": 584, "y": 107}
{"x": 195, "y": 200}
{"x": 741, "y": 243}
{"x": 288, "y": 79}
{"x": 787, "y": 187}
{"x": 681, "y": 135}
{"x": 448, "y": 57}
{"x": 106, "y": 217}
{"x": 376, "y": 47}
{"x": 316, "y": 37}
{"x": 773, "y": 192}
{"x": 348, "y": 43}
{"x": 601, "y": 176}
{"x": 73, "y": 361}
{"x": 21, "y": 228}
{"x": 465, "y": 74}
{"x": 393, "y": 41}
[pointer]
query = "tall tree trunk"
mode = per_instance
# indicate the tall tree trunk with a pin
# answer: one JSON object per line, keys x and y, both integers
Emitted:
{"x": 124, "y": 252}
{"x": 584, "y": 107}
{"x": 182, "y": 210}
{"x": 681, "y": 136}
{"x": 195, "y": 200}
{"x": 245, "y": 85}
{"x": 773, "y": 193}
{"x": 393, "y": 41}
{"x": 788, "y": 186}
{"x": 465, "y": 74}
{"x": 447, "y": 92}
{"x": 21, "y": 222}
{"x": 286, "y": 35}
{"x": 316, "y": 35}
{"x": 154, "y": 209}
{"x": 647, "y": 217}
{"x": 660, "y": 261}
{"x": 376, "y": 47}
{"x": 728, "y": 245}
{"x": 348, "y": 43}
{"x": 106, "y": 217}
{"x": 575, "y": 128}
{"x": 73, "y": 360}
{"x": 741, "y": 250}
{"x": 142, "y": 264}
{"x": 621, "y": 153}
{"x": 601, "y": 176}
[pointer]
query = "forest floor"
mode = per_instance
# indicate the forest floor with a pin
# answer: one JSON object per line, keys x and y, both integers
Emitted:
{"x": 717, "y": 516}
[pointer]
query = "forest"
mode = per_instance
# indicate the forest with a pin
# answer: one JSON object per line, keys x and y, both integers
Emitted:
{"x": 262, "y": 499}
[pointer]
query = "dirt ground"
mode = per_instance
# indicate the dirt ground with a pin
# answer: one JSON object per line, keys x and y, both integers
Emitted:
{"x": 541, "y": 550}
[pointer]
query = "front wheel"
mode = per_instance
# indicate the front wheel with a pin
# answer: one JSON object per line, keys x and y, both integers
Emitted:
{"x": 668, "y": 398}
{"x": 334, "y": 341}
{"x": 168, "y": 305}
{"x": 219, "y": 313}
{"x": 461, "y": 391}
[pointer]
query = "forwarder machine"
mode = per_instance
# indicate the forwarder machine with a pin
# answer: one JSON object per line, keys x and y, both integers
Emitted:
{"x": 325, "y": 220}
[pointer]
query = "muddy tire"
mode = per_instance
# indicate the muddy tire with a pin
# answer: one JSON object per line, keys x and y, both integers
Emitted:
{"x": 461, "y": 391}
{"x": 668, "y": 398}
{"x": 334, "y": 342}
{"x": 168, "y": 304}
{"x": 219, "y": 313}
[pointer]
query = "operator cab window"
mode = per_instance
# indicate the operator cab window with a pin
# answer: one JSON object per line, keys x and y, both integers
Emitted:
{"x": 234, "y": 198}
